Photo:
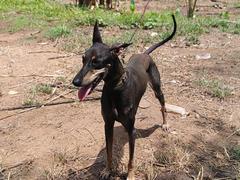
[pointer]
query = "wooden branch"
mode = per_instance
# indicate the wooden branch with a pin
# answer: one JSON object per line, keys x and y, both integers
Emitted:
{"x": 26, "y": 162}
{"x": 59, "y": 57}
{"x": 200, "y": 115}
{"x": 31, "y": 75}
{"x": 63, "y": 86}
{"x": 21, "y": 112}
{"x": 56, "y": 42}
{"x": 72, "y": 87}
{"x": 57, "y": 97}
{"x": 21, "y": 84}
{"x": 36, "y": 52}
{"x": 37, "y": 106}
{"x": 194, "y": 5}
{"x": 233, "y": 133}
{"x": 177, "y": 110}
{"x": 34, "y": 33}
{"x": 48, "y": 103}
{"x": 172, "y": 108}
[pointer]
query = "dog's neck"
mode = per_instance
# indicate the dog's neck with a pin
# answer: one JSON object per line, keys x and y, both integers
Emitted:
{"x": 115, "y": 72}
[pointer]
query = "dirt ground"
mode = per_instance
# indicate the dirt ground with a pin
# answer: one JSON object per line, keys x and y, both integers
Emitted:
{"x": 66, "y": 141}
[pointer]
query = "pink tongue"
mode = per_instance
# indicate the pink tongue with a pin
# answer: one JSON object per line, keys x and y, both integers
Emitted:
{"x": 84, "y": 91}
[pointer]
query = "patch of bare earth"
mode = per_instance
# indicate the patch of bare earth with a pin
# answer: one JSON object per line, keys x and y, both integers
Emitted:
{"x": 66, "y": 141}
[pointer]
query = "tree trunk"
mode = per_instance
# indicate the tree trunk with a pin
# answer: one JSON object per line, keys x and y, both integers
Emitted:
{"x": 191, "y": 8}
{"x": 101, "y": 3}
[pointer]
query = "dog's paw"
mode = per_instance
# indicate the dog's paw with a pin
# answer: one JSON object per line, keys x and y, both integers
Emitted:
{"x": 165, "y": 127}
{"x": 105, "y": 174}
{"x": 131, "y": 175}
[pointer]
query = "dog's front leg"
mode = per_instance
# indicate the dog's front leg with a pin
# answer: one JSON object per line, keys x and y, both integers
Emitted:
{"x": 106, "y": 173}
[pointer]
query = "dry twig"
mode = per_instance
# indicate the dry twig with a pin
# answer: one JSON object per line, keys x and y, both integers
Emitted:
{"x": 36, "y": 106}
{"x": 31, "y": 75}
{"x": 48, "y": 103}
{"x": 26, "y": 162}
{"x": 59, "y": 57}
{"x": 36, "y": 52}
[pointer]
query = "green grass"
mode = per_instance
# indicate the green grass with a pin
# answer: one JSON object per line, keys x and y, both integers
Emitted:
{"x": 39, "y": 89}
{"x": 31, "y": 101}
{"x": 51, "y": 11}
{"x": 57, "y": 32}
{"x": 235, "y": 153}
{"x": 61, "y": 80}
{"x": 58, "y": 20}
{"x": 237, "y": 5}
{"x": 42, "y": 88}
{"x": 215, "y": 87}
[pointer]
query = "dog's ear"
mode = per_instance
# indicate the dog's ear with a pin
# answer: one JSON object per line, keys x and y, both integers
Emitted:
{"x": 96, "y": 34}
{"x": 118, "y": 47}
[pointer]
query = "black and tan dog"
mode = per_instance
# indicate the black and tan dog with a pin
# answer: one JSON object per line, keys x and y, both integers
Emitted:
{"x": 123, "y": 88}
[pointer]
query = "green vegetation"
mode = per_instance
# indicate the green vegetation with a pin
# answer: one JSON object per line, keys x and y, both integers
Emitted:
{"x": 19, "y": 23}
{"x": 61, "y": 80}
{"x": 237, "y": 5}
{"x": 57, "y": 20}
{"x": 58, "y": 31}
{"x": 42, "y": 88}
{"x": 31, "y": 101}
{"x": 46, "y": 12}
{"x": 235, "y": 153}
{"x": 38, "y": 89}
{"x": 215, "y": 88}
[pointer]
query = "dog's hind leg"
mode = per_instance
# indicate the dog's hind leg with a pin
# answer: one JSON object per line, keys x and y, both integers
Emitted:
{"x": 155, "y": 80}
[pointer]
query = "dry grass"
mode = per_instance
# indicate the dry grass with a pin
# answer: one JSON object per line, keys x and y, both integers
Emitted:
{"x": 198, "y": 157}
{"x": 57, "y": 169}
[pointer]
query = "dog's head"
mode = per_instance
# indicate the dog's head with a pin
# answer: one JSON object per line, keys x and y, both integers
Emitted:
{"x": 97, "y": 61}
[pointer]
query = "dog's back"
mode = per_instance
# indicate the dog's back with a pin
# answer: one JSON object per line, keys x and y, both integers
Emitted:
{"x": 139, "y": 61}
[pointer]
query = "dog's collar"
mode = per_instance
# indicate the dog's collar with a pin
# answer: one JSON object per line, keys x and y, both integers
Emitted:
{"x": 121, "y": 81}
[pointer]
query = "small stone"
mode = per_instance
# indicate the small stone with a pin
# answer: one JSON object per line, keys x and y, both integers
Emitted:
{"x": 12, "y": 92}
{"x": 203, "y": 56}
{"x": 153, "y": 34}
{"x": 197, "y": 116}
{"x": 173, "y": 81}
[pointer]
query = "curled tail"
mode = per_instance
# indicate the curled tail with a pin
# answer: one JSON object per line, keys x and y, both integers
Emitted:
{"x": 155, "y": 46}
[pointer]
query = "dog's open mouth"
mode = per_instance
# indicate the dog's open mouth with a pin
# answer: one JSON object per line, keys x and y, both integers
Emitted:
{"x": 84, "y": 91}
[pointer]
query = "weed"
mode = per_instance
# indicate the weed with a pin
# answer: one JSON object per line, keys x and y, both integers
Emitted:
{"x": 148, "y": 168}
{"x": 237, "y": 5}
{"x": 150, "y": 24}
{"x": 58, "y": 31}
{"x": 42, "y": 88}
{"x": 76, "y": 42}
{"x": 61, "y": 80}
{"x": 164, "y": 157}
{"x": 215, "y": 87}
{"x": 19, "y": 23}
{"x": 192, "y": 39}
{"x": 31, "y": 101}
{"x": 39, "y": 88}
{"x": 235, "y": 153}
{"x": 22, "y": 22}
{"x": 60, "y": 157}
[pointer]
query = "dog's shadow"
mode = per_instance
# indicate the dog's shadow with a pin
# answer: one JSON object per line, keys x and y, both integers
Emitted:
{"x": 120, "y": 139}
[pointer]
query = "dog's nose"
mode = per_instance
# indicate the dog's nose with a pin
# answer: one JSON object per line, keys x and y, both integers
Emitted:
{"x": 76, "y": 82}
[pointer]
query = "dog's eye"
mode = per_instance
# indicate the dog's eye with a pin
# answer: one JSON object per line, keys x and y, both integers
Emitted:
{"x": 95, "y": 63}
